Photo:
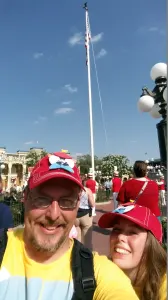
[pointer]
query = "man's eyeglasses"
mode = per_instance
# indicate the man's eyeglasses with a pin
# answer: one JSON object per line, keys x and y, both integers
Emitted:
{"x": 44, "y": 202}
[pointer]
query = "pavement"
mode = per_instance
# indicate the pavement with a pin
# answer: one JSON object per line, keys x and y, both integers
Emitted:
{"x": 101, "y": 236}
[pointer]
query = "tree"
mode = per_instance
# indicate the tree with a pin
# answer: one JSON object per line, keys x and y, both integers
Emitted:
{"x": 111, "y": 161}
{"x": 34, "y": 156}
{"x": 85, "y": 163}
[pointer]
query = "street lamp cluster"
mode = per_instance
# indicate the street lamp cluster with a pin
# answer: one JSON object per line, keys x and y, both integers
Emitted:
{"x": 155, "y": 102}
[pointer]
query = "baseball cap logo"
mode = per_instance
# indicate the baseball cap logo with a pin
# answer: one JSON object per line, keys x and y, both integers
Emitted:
{"x": 123, "y": 209}
{"x": 57, "y": 162}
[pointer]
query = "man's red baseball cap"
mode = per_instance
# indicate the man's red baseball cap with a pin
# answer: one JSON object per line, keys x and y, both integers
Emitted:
{"x": 56, "y": 165}
{"x": 140, "y": 215}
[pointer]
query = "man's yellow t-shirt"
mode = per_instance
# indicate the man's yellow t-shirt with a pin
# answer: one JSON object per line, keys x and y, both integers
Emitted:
{"x": 24, "y": 279}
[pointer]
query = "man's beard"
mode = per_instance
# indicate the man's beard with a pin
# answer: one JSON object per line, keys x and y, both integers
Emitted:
{"x": 45, "y": 244}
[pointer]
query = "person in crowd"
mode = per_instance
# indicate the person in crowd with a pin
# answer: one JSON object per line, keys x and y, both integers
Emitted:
{"x": 125, "y": 179}
{"x": 140, "y": 189}
{"x": 107, "y": 186}
{"x": 116, "y": 185}
{"x": 161, "y": 187}
{"x": 38, "y": 262}
{"x": 6, "y": 219}
{"x": 93, "y": 186}
{"x": 131, "y": 176}
{"x": 84, "y": 217}
{"x": 135, "y": 246}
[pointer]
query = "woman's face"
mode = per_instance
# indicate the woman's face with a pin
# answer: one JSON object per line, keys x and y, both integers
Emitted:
{"x": 127, "y": 243}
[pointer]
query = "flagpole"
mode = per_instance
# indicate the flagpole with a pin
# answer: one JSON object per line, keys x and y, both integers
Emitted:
{"x": 87, "y": 38}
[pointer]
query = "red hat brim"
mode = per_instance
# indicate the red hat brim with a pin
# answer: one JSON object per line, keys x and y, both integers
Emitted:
{"x": 108, "y": 221}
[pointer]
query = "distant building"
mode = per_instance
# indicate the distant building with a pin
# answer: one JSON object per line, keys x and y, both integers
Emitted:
{"x": 15, "y": 168}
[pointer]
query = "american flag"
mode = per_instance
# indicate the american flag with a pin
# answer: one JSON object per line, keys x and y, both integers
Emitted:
{"x": 87, "y": 36}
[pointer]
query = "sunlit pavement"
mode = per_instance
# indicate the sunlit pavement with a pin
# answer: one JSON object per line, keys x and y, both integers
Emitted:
{"x": 101, "y": 236}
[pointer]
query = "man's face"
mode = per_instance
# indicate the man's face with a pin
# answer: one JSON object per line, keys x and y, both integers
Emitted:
{"x": 50, "y": 212}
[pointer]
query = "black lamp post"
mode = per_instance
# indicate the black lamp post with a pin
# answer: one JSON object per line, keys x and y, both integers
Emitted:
{"x": 155, "y": 102}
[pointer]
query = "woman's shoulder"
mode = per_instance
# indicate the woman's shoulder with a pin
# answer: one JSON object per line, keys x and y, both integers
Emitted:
{"x": 132, "y": 182}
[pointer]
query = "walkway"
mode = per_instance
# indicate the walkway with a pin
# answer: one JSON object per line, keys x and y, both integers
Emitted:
{"x": 101, "y": 236}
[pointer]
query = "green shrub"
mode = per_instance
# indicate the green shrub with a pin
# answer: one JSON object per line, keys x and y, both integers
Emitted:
{"x": 101, "y": 196}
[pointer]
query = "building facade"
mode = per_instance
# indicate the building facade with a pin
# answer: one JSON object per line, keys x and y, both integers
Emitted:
{"x": 13, "y": 168}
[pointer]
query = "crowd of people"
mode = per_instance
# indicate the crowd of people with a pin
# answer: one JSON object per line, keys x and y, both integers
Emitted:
{"x": 45, "y": 258}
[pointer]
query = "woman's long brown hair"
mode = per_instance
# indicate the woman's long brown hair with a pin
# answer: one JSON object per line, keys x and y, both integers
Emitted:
{"x": 152, "y": 269}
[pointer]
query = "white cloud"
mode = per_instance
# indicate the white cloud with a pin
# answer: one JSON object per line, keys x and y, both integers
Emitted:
{"x": 29, "y": 143}
{"x": 70, "y": 88}
{"x": 66, "y": 102}
{"x": 152, "y": 29}
{"x": 97, "y": 38}
{"x": 102, "y": 53}
{"x": 157, "y": 30}
{"x": 76, "y": 39}
{"x": 38, "y": 55}
{"x": 63, "y": 110}
{"x": 40, "y": 119}
{"x": 79, "y": 154}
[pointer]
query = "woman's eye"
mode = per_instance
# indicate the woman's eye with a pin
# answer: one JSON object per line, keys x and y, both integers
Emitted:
{"x": 133, "y": 232}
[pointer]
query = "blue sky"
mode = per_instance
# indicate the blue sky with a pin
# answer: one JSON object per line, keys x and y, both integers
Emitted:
{"x": 43, "y": 85}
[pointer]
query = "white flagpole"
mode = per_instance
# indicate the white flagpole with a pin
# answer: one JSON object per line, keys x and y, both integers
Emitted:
{"x": 89, "y": 88}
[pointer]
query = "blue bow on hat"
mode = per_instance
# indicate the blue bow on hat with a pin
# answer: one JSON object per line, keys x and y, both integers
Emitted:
{"x": 123, "y": 209}
{"x": 119, "y": 210}
{"x": 61, "y": 165}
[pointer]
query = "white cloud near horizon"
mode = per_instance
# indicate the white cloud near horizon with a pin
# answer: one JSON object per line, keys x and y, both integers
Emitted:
{"x": 101, "y": 53}
{"x": 63, "y": 110}
{"x": 70, "y": 88}
{"x": 38, "y": 55}
{"x": 66, "y": 102}
{"x": 78, "y": 38}
{"x": 29, "y": 143}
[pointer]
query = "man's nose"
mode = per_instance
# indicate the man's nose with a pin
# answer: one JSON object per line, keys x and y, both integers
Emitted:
{"x": 53, "y": 211}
